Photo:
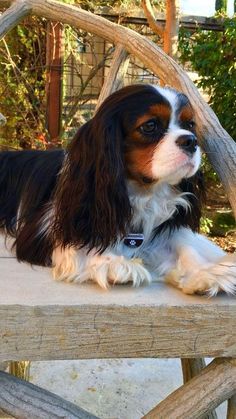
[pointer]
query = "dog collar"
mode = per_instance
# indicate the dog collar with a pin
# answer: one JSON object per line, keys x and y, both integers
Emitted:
{"x": 133, "y": 240}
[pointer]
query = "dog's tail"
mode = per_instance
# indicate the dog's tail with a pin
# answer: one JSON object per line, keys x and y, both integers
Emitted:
{"x": 27, "y": 182}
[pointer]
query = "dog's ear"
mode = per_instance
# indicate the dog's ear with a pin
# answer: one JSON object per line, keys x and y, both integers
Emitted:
{"x": 195, "y": 187}
{"x": 92, "y": 207}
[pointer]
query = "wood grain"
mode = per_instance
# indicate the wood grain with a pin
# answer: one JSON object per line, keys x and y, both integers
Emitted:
{"x": 44, "y": 319}
{"x": 25, "y": 400}
{"x": 190, "y": 368}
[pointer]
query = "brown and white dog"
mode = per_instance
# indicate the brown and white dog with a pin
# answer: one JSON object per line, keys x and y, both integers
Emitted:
{"x": 122, "y": 204}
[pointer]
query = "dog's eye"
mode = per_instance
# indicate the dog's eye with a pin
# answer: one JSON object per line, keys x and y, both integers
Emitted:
{"x": 189, "y": 125}
{"x": 149, "y": 127}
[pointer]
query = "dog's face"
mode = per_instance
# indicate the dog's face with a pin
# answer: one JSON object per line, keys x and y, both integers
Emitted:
{"x": 141, "y": 133}
{"x": 160, "y": 138}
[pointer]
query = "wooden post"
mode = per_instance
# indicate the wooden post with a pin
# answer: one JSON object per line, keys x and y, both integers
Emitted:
{"x": 20, "y": 369}
{"x": 190, "y": 368}
{"x": 231, "y": 412}
{"x": 54, "y": 63}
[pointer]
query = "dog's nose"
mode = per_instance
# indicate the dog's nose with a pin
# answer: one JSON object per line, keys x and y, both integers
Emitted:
{"x": 187, "y": 142}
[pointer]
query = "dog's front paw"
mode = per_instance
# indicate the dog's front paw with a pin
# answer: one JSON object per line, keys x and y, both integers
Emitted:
{"x": 106, "y": 270}
{"x": 213, "y": 278}
{"x": 122, "y": 271}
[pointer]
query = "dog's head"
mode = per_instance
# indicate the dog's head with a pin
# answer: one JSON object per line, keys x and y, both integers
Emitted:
{"x": 141, "y": 133}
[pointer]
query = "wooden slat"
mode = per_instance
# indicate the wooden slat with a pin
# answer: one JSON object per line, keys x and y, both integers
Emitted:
{"x": 25, "y": 400}
{"x": 41, "y": 319}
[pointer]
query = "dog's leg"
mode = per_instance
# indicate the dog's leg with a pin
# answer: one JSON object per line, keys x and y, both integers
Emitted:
{"x": 64, "y": 264}
{"x": 78, "y": 266}
{"x": 202, "y": 267}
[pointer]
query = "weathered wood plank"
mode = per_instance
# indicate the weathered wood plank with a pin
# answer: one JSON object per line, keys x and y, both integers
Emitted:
{"x": 25, "y": 400}
{"x": 43, "y": 319}
{"x": 190, "y": 368}
{"x": 201, "y": 394}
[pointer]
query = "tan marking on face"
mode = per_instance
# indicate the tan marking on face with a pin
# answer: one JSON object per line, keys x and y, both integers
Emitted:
{"x": 186, "y": 113}
{"x": 139, "y": 161}
{"x": 160, "y": 111}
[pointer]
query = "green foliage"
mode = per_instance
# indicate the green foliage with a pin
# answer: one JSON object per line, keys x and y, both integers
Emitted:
{"x": 221, "y": 5}
{"x": 212, "y": 55}
{"x": 206, "y": 225}
{"x": 22, "y": 85}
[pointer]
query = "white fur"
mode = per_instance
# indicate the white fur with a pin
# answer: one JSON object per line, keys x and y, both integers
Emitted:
{"x": 201, "y": 266}
{"x": 172, "y": 164}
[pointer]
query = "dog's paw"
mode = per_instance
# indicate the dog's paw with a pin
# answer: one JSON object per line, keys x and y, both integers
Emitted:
{"x": 122, "y": 271}
{"x": 212, "y": 278}
{"x": 110, "y": 270}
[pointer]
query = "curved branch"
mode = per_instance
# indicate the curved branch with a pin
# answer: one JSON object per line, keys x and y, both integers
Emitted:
{"x": 12, "y": 16}
{"x": 148, "y": 11}
{"x": 217, "y": 143}
{"x": 115, "y": 76}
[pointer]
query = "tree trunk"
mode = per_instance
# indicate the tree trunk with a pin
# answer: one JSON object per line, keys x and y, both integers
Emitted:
{"x": 171, "y": 28}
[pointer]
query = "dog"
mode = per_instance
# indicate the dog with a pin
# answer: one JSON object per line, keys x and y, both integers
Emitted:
{"x": 122, "y": 203}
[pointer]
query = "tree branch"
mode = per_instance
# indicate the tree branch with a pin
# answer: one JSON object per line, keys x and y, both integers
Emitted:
{"x": 148, "y": 11}
{"x": 115, "y": 77}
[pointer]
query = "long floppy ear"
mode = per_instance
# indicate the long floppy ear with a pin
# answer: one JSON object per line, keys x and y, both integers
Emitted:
{"x": 92, "y": 207}
{"x": 195, "y": 186}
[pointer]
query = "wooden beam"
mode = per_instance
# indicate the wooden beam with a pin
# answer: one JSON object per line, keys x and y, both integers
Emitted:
{"x": 54, "y": 64}
{"x": 213, "y": 385}
{"x": 191, "y": 367}
{"x": 115, "y": 77}
{"x": 84, "y": 322}
{"x": 231, "y": 411}
{"x": 25, "y": 400}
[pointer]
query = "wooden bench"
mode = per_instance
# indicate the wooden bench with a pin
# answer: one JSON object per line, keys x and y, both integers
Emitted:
{"x": 41, "y": 319}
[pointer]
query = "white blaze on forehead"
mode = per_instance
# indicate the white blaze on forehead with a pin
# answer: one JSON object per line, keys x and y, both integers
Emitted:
{"x": 169, "y": 94}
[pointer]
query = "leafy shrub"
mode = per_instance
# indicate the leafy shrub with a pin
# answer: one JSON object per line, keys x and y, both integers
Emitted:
{"x": 212, "y": 55}
{"x": 22, "y": 85}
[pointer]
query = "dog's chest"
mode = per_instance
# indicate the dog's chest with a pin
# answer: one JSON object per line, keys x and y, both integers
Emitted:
{"x": 149, "y": 212}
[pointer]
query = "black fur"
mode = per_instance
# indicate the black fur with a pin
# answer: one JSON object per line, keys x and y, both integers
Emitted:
{"x": 28, "y": 178}
{"x": 195, "y": 188}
